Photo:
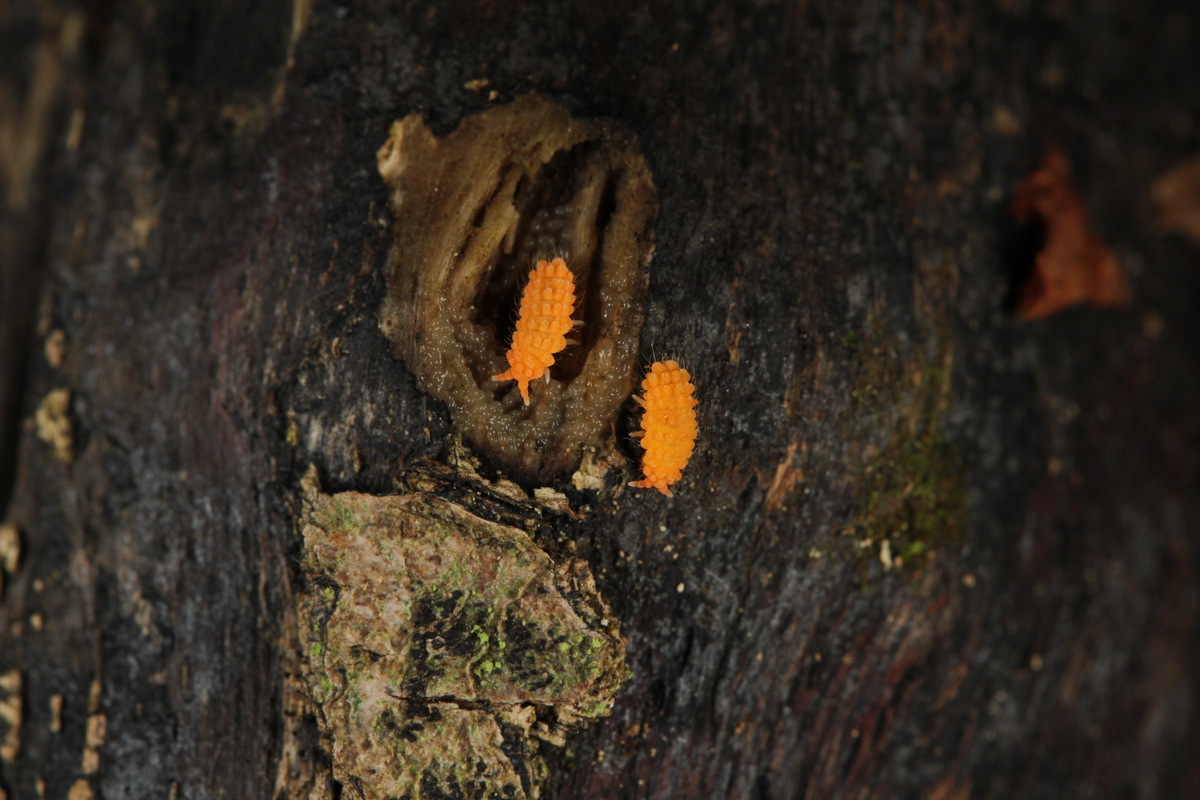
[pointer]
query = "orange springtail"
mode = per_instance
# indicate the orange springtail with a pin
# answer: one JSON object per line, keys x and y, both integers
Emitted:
{"x": 668, "y": 425}
{"x": 542, "y": 324}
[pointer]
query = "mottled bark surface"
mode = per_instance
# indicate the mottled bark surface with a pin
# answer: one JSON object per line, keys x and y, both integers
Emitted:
{"x": 192, "y": 246}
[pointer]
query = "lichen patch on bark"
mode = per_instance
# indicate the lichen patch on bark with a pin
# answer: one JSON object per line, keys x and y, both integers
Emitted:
{"x": 444, "y": 649}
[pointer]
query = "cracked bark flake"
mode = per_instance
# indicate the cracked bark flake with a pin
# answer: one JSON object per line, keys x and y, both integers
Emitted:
{"x": 443, "y": 646}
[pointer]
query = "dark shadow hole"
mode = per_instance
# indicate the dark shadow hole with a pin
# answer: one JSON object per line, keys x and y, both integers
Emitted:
{"x": 15, "y": 381}
{"x": 1021, "y": 245}
{"x": 588, "y": 307}
{"x": 480, "y": 215}
{"x": 544, "y": 231}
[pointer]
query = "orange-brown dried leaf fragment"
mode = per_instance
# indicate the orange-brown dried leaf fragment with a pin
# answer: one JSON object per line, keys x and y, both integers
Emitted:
{"x": 1177, "y": 194}
{"x": 1073, "y": 265}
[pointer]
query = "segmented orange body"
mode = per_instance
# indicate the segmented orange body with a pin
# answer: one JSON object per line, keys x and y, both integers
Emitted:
{"x": 668, "y": 425}
{"x": 542, "y": 324}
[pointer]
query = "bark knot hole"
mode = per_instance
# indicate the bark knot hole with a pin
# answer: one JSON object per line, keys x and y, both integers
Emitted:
{"x": 473, "y": 212}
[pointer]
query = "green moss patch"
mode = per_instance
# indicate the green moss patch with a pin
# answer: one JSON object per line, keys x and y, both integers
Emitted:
{"x": 912, "y": 491}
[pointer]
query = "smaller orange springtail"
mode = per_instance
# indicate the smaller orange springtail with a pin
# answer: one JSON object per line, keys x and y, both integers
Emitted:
{"x": 668, "y": 425}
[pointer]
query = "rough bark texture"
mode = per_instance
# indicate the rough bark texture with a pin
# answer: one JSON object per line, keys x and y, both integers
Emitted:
{"x": 192, "y": 246}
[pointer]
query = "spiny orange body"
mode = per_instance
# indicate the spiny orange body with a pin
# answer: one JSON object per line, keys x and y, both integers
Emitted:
{"x": 542, "y": 324}
{"x": 668, "y": 425}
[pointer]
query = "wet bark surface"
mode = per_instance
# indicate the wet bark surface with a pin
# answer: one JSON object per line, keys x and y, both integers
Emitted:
{"x": 925, "y": 548}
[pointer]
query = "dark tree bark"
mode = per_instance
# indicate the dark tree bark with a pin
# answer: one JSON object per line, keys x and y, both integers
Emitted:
{"x": 924, "y": 548}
